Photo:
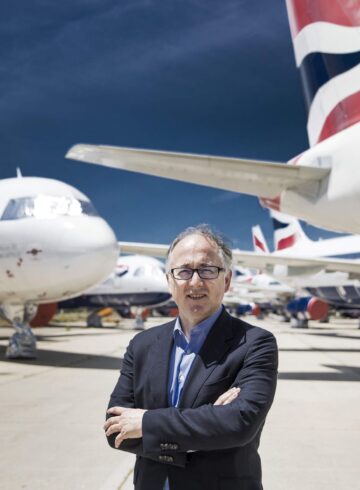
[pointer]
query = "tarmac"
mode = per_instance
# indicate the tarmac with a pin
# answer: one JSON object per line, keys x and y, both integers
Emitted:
{"x": 52, "y": 409}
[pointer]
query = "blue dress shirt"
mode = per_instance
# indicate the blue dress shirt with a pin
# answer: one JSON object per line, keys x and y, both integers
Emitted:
{"x": 182, "y": 356}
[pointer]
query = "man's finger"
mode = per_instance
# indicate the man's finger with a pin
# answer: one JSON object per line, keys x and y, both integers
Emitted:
{"x": 110, "y": 421}
{"x": 119, "y": 439}
{"x": 225, "y": 395}
{"x": 115, "y": 410}
{"x": 228, "y": 396}
{"x": 113, "y": 429}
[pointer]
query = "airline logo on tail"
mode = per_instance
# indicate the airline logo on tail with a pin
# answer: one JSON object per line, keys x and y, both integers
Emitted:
{"x": 287, "y": 231}
{"x": 326, "y": 38}
{"x": 259, "y": 242}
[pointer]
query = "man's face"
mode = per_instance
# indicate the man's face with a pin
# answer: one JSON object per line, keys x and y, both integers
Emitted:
{"x": 197, "y": 298}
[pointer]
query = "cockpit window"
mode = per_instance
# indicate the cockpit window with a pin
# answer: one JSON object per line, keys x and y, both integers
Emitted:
{"x": 43, "y": 206}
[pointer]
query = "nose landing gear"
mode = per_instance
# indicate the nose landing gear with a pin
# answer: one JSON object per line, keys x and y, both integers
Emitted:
{"x": 22, "y": 345}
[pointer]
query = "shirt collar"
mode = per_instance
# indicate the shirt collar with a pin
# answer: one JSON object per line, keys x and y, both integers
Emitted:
{"x": 198, "y": 333}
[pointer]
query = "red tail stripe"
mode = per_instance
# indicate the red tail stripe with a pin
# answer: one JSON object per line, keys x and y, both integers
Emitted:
{"x": 304, "y": 12}
{"x": 259, "y": 244}
{"x": 344, "y": 115}
{"x": 286, "y": 242}
{"x": 272, "y": 203}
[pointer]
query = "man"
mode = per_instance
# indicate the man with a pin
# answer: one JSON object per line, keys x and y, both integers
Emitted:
{"x": 193, "y": 394}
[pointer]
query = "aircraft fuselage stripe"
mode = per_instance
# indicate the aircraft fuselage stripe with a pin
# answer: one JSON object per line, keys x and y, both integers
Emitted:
{"x": 322, "y": 37}
{"x": 304, "y": 12}
{"x": 344, "y": 115}
{"x": 328, "y": 96}
{"x": 317, "y": 69}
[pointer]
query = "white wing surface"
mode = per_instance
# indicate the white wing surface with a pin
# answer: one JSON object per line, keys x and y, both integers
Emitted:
{"x": 258, "y": 178}
{"x": 301, "y": 265}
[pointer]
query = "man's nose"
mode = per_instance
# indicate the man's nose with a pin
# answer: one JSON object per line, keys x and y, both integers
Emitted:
{"x": 196, "y": 279}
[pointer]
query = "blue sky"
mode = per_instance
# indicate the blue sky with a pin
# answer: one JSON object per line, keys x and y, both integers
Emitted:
{"x": 198, "y": 76}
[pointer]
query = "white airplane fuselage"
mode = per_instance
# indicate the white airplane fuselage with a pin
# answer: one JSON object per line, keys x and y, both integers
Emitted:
{"x": 53, "y": 246}
{"x": 333, "y": 202}
{"x": 137, "y": 280}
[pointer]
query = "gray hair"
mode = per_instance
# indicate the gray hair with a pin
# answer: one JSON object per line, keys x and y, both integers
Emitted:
{"x": 205, "y": 230}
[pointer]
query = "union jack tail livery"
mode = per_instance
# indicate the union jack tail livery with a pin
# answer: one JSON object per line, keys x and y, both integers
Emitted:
{"x": 326, "y": 38}
{"x": 288, "y": 232}
{"x": 259, "y": 242}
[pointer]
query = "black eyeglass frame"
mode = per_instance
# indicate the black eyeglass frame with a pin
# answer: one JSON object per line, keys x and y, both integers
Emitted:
{"x": 198, "y": 270}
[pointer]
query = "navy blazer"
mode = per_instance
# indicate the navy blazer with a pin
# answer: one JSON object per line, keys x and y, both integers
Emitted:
{"x": 199, "y": 446}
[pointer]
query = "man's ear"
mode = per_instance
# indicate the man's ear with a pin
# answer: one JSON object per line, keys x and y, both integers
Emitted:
{"x": 228, "y": 277}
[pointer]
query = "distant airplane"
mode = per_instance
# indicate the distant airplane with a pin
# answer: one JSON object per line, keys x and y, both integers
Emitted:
{"x": 322, "y": 184}
{"x": 138, "y": 282}
{"x": 53, "y": 246}
{"x": 339, "y": 289}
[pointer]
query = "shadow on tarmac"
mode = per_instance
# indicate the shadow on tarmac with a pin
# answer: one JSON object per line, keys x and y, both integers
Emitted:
{"x": 66, "y": 359}
{"x": 316, "y": 349}
{"x": 343, "y": 373}
{"x": 335, "y": 335}
{"x": 91, "y": 361}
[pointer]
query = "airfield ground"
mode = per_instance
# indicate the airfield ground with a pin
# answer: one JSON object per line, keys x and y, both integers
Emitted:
{"x": 52, "y": 409}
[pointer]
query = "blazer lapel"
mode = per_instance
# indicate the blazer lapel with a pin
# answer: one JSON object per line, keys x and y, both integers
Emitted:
{"x": 216, "y": 345}
{"x": 158, "y": 373}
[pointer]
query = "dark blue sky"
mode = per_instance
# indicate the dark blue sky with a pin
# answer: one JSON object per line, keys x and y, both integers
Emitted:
{"x": 198, "y": 76}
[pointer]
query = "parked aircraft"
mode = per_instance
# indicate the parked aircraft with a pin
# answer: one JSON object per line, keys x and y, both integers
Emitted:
{"x": 137, "y": 282}
{"x": 337, "y": 288}
{"x": 53, "y": 246}
{"x": 322, "y": 184}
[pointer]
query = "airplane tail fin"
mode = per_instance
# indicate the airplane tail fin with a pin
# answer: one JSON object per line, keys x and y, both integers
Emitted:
{"x": 259, "y": 242}
{"x": 288, "y": 232}
{"x": 326, "y": 39}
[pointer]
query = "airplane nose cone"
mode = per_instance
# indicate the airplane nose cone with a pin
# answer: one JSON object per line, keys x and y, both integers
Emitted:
{"x": 91, "y": 247}
{"x": 55, "y": 259}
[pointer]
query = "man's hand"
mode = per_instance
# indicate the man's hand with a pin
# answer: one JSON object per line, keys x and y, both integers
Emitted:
{"x": 125, "y": 421}
{"x": 228, "y": 396}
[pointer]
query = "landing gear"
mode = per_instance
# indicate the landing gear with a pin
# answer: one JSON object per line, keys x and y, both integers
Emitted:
{"x": 140, "y": 315}
{"x": 22, "y": 345}
{"x": 297, "y": 322}
{"x": 139, "y": 322}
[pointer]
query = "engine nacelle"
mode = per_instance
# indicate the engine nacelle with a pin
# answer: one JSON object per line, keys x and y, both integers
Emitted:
{"x": 313, "y": 308}
{"x": 248, "y": 309}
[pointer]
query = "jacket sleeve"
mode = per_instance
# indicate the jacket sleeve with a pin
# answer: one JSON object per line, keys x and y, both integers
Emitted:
{"x": 210, "y": 427}
{"x": 123, "y": 396}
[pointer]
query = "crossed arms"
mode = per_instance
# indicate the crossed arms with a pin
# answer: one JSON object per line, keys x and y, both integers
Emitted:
{"x": 233, "y": 420}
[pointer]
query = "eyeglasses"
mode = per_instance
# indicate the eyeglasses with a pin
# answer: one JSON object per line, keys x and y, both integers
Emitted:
{"x": 186, "y": 273}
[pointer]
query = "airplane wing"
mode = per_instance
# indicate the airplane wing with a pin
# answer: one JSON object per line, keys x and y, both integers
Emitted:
{"x": 258, "y": 178}
{"x": 298, "y": 265}
{"x": 151, "y": 249}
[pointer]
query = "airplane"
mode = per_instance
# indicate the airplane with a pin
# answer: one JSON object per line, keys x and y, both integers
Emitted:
{"x": 284, "y": 297}
{"x": 322, "y": 184}
{"x": 53, "y": 246}
{"x": 137, "y": 282}
{"x": 336, "y": 288}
